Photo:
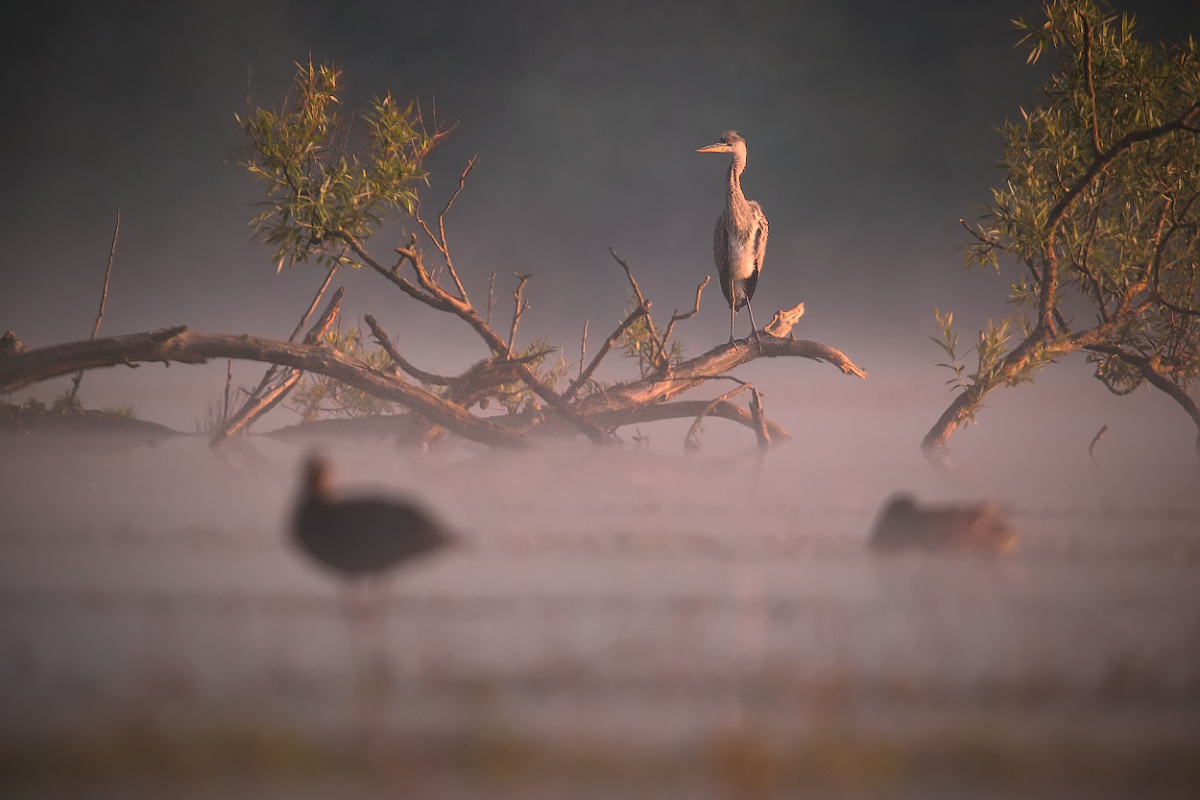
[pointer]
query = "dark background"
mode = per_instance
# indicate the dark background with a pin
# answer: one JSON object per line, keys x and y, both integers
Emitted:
{"x": 871, "y": 129}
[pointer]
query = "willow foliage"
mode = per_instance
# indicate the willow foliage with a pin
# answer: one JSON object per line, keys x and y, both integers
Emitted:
{"x": 1101, "y": 207}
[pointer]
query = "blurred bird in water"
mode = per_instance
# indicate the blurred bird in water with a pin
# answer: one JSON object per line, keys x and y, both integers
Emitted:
{"x": 363, "y": 536}
{"x": 905, "y": 526}
{"x": 740, "y": 238}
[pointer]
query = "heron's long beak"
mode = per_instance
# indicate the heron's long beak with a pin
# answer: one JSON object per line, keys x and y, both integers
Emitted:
{"x": 719, "y": 147}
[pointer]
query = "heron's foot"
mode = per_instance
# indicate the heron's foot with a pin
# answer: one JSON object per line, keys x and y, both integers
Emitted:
{"x": 756, "y": 335}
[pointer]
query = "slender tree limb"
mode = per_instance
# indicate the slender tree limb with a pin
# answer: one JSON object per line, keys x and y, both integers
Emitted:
{"x": 1049, "y": 285}
{"x": 658, "y": 353}
{"x": 491, "y": 297}
{"x": 273, "y": 370}
{"x": 103, "y": 299}
{"x": 1096, "y": 440}
{"x": 440, "y": 242}
{"x": 228, "y": 384}
{"x": 264, "y": 399}
{"x": 691, "y": 440}
{"x": 520, "y": 306}
{"x": 436, "y": 297}
{"x": 1016, "y": 362}
{"x": 682, "y": 409}
{"x": 315, "y": 301}
{"x": 1151, "y": 371}
{"x": 1102, "y": 161}
{"x": 1091, "y": 86}
{"x": 583, "y": 348}
{"x": 586, "y": 374}
{"x": 760, "y": 425}
{"x": 677, "y": 317}
{"x": 382, "y": 339}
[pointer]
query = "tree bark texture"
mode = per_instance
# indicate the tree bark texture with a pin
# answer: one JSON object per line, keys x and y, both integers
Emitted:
{"x": 639, "y": 401}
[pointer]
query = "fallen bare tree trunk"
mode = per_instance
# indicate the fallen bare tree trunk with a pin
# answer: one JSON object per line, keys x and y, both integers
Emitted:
{"x": 180, "y": 344}
{"x": 639, "y": 401}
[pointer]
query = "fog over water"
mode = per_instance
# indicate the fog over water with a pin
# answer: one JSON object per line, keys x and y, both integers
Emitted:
{"x": 609, "y": 597}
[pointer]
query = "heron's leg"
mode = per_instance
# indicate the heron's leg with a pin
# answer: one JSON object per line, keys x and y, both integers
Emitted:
{"x": 753, "y": 327}
{"x": 732, "y": 315}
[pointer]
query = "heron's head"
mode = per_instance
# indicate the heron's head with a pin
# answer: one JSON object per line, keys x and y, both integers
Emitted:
{"x": 730, "y": 143}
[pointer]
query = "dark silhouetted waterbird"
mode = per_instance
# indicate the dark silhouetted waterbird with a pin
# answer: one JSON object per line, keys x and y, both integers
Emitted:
{"x": 903, "y": 525}
{"x": 360, "y": 537}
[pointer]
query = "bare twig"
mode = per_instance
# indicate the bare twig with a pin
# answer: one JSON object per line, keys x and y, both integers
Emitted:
{"x": 760, "y": 427}
{"x": 273, "y": 370}
{"x": 267, "y": 398}
{"x": 520, "y": 305}
{"x": 107, "y": 271}
{"x": 586, "y": 374}
{"x": 659, "y": 348}
{"x": 394, "y": 355}
{"x": 583, "y": 348}
{"x": 677, "y": 317}
{"x": 491, "y": 297}
{"x": 1087, "y": 59}
{"x": 440, "y": 241}
{"x": 228, "y": 383}
{"x": 75, "y": 381}
{"x": 436, "y": 297}
{"x": 1096, "y": 440}
{"x": 313, "y": 305}
{"x": 691, "y": 439}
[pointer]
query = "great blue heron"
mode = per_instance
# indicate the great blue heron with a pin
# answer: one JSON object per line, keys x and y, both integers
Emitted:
{"x": 359, "y": 537}
{"x": 740, "y": 238}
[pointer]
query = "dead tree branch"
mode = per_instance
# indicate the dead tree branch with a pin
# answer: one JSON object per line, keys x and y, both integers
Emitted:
{"x": 181, "y": 345}
{"x": 717, "y": 361}
{"x": 520, "y": 305}
{"x": 691, "y": 439}
{"x": 103, "y": 299}
{"x": 382, "y": 339}
{"x": 677, "y": 317}
{"x": 676, "y": 409}
{"x": 440, "y": 241}
{"x": 760, "y": 426}
{"x": 586, "y": 374}
{"x": 658, "y": 352}
{"x": 273, "y": 370}
{"x": 263, "y": 400}
{"x": 583, "y": 348}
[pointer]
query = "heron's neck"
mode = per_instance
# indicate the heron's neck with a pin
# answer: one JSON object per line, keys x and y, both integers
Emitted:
{"x": 734, "y": 196}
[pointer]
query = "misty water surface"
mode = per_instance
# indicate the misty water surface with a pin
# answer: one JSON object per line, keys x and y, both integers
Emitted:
{"x": 596, "y": 592}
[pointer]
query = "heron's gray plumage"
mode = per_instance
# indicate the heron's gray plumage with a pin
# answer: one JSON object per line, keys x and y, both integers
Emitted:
{"x": 740, "y": 237}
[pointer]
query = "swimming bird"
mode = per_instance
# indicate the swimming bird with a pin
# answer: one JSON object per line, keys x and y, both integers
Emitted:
{"x": 740, "y": 238}
{"x": 359, "y": 537}
{"x": 904, "y": 525}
